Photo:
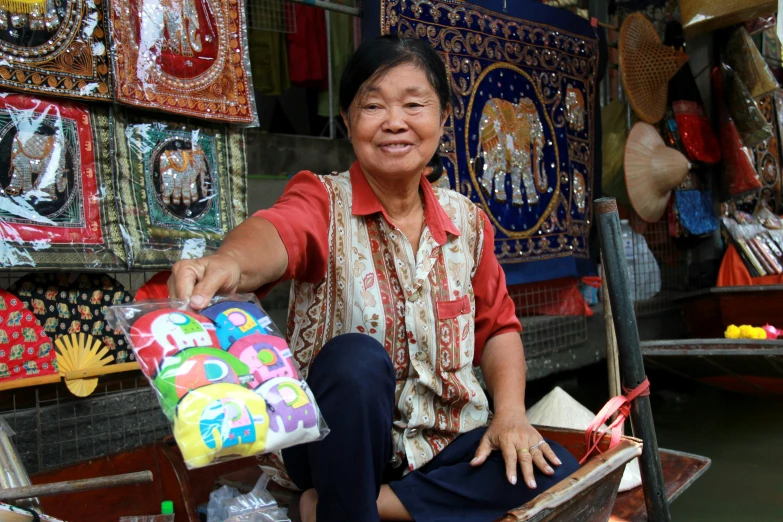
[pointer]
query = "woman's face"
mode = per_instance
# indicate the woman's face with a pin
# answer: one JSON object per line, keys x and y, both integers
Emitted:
{"x": 396, "y": 126}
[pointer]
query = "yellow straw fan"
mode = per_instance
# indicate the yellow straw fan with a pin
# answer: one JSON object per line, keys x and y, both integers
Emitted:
{"x": 559, "y": 410}
{"x": 652, "y": 171}
{"x": 79, "y": 352}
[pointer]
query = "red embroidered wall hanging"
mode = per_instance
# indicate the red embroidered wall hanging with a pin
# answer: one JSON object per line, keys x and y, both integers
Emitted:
{"x": 57, "y": 206}
{"x": 183, "y": 56}
{"x": 55, "y": 47}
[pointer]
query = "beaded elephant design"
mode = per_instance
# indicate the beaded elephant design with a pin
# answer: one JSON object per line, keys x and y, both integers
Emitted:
{"x": 182, "y": 173}
{"x": 41, "y": 14}
{"x": 575, "y": 109}
{"x": 182, "y": 25}
{"x": 512, "y": 141}
{"x": 39, "y": 155}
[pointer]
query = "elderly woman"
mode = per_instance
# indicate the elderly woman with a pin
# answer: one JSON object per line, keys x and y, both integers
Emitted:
{"x": 396, "y": 295}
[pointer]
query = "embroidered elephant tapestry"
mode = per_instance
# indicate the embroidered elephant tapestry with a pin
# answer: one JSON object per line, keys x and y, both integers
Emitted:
{"x": 40, "y": 155}
{"x": 183, "y": 173}
{"x": 512, "y": 142}
{"x": 182, "y": 26}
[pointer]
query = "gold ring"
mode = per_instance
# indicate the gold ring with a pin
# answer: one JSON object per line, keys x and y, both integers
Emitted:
{"x": 523, "y": 450}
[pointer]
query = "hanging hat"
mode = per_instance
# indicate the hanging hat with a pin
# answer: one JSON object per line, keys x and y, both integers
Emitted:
{"x": 652, "y": 171}
{"x": 25, "y": 349}
{"x": 66, "y": 304}
{"x": 646, "y": 66}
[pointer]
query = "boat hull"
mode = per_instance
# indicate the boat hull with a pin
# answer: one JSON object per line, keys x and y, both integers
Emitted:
{"x": 739, "y": 365}
{"x": 708, "y": 312}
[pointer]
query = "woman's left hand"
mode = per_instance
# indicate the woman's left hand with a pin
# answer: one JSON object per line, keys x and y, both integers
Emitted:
{"x": 511, "y": 433}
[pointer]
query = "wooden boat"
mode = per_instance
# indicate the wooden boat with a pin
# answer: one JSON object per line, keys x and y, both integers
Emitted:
{"x": 708, "y": 312}
{"x": 171, "y": 481}
{"x": 741, "y": 365}
{"x": 588, "y": 495}
{"x": 680, "y": 470}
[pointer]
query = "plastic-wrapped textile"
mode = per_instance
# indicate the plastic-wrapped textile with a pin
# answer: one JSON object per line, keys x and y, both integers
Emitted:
{"x": 745, "y": 58}
{"x": 183, "y": 56}
{"x": 180, "y": 188}
{"x": 57, "y": 203}
{"x": 694, "y": 133}
{"x": 767, "y": 155}
{"x": 227, "y": 504}
{"x": 66, "y": 304}
{"x": 25, "y": 348}
{"x": 760, "y": 24}
{"x": 55, "y": 47}
{"x": 224, "y": 376}
{"x": 703, "y": 16}
{"x": 750, "y": 123}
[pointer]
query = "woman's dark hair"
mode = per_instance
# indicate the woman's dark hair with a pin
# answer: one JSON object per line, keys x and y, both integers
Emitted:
{"x": 376, "y": 57}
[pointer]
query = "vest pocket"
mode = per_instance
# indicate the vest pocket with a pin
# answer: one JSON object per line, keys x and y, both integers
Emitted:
{"x": 452, "y": 309}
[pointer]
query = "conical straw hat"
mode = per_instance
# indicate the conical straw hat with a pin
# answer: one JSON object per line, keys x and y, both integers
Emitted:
{"x": 652, "y": 171}
{"x": 557, "y": 409}
{"x": 646, "y": 66}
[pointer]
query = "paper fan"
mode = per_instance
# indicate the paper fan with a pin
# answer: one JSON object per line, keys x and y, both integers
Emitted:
{"x": 80, "y": 352}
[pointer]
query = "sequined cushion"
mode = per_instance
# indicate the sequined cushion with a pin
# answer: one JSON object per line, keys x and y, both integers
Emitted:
{"x": 55, "y": 47}
{"x": 57, "y": 206}
{"x": 183, "y": 56}
{"x": 181, "y": 188}
{"x": 522, "y": 138}
{"x": 73, "y": 303}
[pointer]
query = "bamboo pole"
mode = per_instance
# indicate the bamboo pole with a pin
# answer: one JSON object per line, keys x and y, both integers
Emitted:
{"x": 74, "y": 486}
{"x": 29, "y": 381}
{"x": 612, "y": 358}
{"x": 630, "y": 356}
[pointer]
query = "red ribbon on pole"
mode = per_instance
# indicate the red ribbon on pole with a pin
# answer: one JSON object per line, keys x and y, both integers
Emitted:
{"x": 620, "y": 404}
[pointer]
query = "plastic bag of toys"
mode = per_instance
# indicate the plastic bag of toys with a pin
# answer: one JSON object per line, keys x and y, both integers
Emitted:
{"x": 224, "y": 376}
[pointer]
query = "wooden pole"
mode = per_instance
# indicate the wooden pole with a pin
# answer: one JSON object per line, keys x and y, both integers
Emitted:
{"x": 73, "y": 486}
{"x": 30, "y": 381}
{"x": 612, "y": 357}
{"x": 630, "y": 356}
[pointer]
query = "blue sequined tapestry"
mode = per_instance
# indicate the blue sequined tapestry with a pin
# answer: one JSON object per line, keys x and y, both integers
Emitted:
{"x": 522, "y": 136}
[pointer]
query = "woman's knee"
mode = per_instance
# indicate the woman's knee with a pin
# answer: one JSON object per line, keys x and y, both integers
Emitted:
{"x": 356, "y": 361}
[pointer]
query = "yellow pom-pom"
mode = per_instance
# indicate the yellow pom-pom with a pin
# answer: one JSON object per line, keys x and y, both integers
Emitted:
{"x": 732, "y": 332}
{"x": 760, "y": 333}
{"x": 746, "y": 332}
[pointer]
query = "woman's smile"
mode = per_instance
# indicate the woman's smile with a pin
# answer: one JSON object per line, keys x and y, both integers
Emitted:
{"x": 396, "y": 148}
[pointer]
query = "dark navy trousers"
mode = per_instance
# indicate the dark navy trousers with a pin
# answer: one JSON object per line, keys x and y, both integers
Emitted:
{"x": 353, "y": 381}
